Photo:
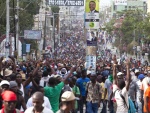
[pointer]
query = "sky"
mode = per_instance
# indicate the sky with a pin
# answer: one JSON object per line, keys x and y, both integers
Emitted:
{"x": 104, "y": 2}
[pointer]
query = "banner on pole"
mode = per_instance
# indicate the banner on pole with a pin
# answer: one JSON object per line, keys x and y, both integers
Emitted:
{"x": 91, "y": 62}
{"x": 92, "y": 14}
{"x": 91, "y": 38}
{"x": 27, "y": 48}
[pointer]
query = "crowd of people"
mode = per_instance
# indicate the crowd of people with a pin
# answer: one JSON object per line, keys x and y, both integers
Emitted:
{"x": 63, "y": 86}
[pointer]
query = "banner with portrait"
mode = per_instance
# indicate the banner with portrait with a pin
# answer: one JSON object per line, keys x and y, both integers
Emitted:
{"x": 91, "y": 38}
{"x": 92, "y": 14}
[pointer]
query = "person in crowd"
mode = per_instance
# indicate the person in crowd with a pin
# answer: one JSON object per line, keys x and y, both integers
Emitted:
{"x": 45, "y": 104}
{"x": 108, "y": 91}
{"x": 93, "y": 88}
{"x": 38, "y": 100}
{"x": 138, "y": 93}
{"x": 67, "y": 102}
{"x": 101, "y": 80}
{"x": 81, "y": 83}
{"x": 147, "y": 98}
{"x": 76, "y": 92}
{"x": 44, "y": 79}
{"x": 4, "y": 84}
{"x": 53, "y": 91}
{"x": 144, "y": 85}
{"x": 120, "y": 89}
{"x": 9, "y": 102}
{"x": 20, "y": 99}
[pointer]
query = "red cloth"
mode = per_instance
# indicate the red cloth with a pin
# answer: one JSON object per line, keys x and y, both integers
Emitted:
{"x": 9, "y": 96}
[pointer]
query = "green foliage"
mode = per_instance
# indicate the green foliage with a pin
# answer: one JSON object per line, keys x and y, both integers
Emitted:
{"x": 26, "y": 17}
{"x": 109, "y": 27}
{"x": 135, "y": 25}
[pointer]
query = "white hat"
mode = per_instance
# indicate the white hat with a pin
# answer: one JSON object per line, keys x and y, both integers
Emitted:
{"x": 6, "y": 59}
{"x": 67, "y": 96}
{"x": 4, "y": 82}
{"x": 119, "y": 73}
{"x": 7, "y": 72}
{"x": 136, "y": 71}
{"x": 55, "y": 76}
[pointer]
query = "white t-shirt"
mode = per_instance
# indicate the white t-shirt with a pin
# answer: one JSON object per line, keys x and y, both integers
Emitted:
{"x": 138, "y": 91}
{"x": 108, "y": 86}
{"x": 121, "y": 106}
{"x": 45, "y": 110}
{"x": 45, "y": 104}
{"x": 44, "y": 81}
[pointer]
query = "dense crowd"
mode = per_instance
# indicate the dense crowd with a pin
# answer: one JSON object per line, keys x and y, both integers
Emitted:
{"x": 63, "y": 86}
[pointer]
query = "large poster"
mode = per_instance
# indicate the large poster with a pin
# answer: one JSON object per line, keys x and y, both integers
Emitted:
{"x": 92, "y": 14}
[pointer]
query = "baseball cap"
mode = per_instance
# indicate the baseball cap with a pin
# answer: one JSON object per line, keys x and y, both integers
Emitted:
{"x": 13, "y": 84}
{"x": 119, "y": 73}
{"x": 4, "y": 82}
{"x": 9, "y": 96}
{"x": 141, "y": 76}
{"x": 67, "y": 96}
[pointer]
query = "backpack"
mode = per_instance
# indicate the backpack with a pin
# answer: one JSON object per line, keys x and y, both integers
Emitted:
{"x": 131, "y": 108}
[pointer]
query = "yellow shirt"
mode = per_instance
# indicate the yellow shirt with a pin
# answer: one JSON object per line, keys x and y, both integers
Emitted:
{"x": 103, "y": 90}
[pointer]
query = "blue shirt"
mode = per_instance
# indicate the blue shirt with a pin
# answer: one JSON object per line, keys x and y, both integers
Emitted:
{"x": 81, "y": 83}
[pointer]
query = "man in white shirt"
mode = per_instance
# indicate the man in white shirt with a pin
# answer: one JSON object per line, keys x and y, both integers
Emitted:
{"x": 38, "y": 100}
{"x": 45, "y": 104}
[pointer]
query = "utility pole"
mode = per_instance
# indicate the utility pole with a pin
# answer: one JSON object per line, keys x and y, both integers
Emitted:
{"x": 14, "y": 30}
{"x": 44, "y": 40}
{"x": 54, "y": 30}
{"x": 17, "y": 29}
{"x": 7, "y": 28}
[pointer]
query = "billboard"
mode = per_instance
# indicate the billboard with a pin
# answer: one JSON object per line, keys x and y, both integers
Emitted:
{"x": 92, "y": 14}
{"x": 66, "y": 2}
{"x": 32, "y": 34}
{"x": 120, "y": 2}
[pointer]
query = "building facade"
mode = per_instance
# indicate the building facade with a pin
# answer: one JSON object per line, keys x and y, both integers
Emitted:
{"x": 123, "y": 5}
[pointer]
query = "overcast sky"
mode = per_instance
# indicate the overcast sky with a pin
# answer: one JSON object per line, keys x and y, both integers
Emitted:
{"x": 104, "y": 2}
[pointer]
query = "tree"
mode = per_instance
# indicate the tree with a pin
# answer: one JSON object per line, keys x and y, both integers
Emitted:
{"x": 26, "y": 17}
{"x": 130, "y": 28}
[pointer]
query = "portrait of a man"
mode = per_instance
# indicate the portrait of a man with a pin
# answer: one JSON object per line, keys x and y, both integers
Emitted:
{"x": 92, "y": 6}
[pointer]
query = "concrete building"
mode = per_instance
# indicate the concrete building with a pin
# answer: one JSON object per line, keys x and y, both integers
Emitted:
{"x": 148, "y": 6}
{"x": 122, "y": 5}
